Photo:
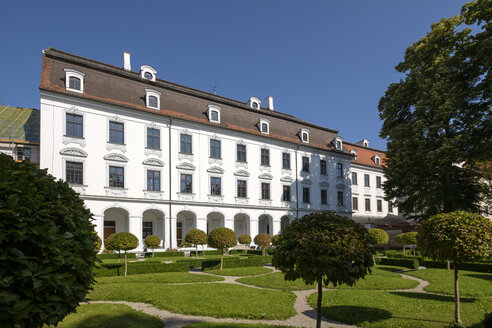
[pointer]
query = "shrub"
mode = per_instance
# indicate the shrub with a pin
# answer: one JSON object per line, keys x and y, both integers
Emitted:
{"x": 108, "y": 244}
{"x": 165, "y": 254}
{"x": 275, "y": 239}
{"x": 470, "y": 266}
{"x": 379, "y": 236}
{"x": 47, "y": 247}
{"x": 263, "y": 240}
{"x": 196, "y": 237}
{"x": 210, "y": 252}
{"x": 244, "y": 239}
{"x": 231, "y": 263}
{"x": 124, "y": 241}
{"x": 98, "y": 243}
{"x": 222, "y": 238}
{"x": 152, "y": 241}
{"x": 109, "y": 256}
{"x": 407, "y": 263}
{"x": 117, "y": 269}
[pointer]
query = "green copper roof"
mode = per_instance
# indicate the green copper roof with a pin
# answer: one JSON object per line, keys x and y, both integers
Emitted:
{"x": 19, "y": 123}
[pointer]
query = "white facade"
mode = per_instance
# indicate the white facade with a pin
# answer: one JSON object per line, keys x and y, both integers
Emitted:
{"x": 172, "y": 212}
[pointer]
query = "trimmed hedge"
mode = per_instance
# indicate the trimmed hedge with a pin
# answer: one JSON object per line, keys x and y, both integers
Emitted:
{"x": 238, "y": 251}
{"x": 469, "y": 266}
{"x": 215, "y": 252}
{"x": 165, "y": 254}
{"x": 267, "y": 259}
{"x": 118, "y": 269}
{"x": 407, "y": 263}
{"x": 268, "y": 251}
{"x": 193, "y": 263}
{"x": 108, "y": 256}
{"x": 232, "y": 263}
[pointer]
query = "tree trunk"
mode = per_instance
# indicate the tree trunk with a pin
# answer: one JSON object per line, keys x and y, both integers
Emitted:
{"x": 125, "y": 264}
{"x": 152, "y": 251}
{"x": 318, "y": 307}
{"x": 404, "y": 250}
{"x": 449, "y": 265}
{"x": 196, "y": 252}
{"x": 221, "y": 260}
{"x": 456, "y": 295}
{"x": 119, "y": 256}
{"x": 263, "y": 251}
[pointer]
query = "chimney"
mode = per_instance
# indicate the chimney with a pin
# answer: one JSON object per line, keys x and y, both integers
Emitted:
{"x": 269, "y": 102}
{"x": 126, "y": 61}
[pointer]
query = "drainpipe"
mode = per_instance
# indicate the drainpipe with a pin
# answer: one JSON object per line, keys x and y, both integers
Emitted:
{"x": 170, "y": 184}
{"x": 297, "y": 186}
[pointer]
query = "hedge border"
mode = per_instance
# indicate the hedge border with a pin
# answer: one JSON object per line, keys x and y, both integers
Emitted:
{"x": 407, "y": 263}
{"x": 232, "y": 263}
{"x": 108, "y": 256}
{"x": 165, "y": 254}
{"x": 117, "y": 269}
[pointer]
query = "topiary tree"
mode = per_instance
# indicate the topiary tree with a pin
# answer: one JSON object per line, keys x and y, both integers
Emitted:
{"x": 222, "y": 238}
{"x": 47, "y": 244}
{"x": 379, "y": 237}
{"x": 97, "y": 243}
{"x": 411, "y": 239}
{"x": 152, "y": 241}
{"x": 324, "y": 248}
{"x": 458, "y": 237}
{"x": 275, "y": 239}
{"x": 263, "y": 240}
{"x": 400, "y": 239}
{"x": 124, "y": 241}
{"x": 244, "y": 239}
{"x": 196, "y": 237}
{"x": 108, "y": 244}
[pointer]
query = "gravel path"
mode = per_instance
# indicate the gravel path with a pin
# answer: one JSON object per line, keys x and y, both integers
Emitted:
{"x": 305, "y": 317}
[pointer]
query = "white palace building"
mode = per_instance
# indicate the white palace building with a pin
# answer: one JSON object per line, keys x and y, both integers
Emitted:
{"x": 153, "y": 157}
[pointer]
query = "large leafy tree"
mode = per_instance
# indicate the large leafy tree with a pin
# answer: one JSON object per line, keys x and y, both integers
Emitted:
{"x": 458, "y": 237}
{"x": 324, "y": 248}
{"x": 47, "y": 247}
{"x": 438, "y": 120}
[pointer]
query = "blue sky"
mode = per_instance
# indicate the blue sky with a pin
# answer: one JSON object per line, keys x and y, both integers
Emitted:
{"x": 327, "y": 62}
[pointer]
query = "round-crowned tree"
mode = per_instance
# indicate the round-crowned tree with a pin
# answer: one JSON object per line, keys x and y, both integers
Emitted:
{"x": 324, "y": 248}
{"x": 222, "y": 238}
{"x": 97, "y": 243}
{"x": 124, "y": 241}
{"x": 47, "y": 246}
{"x": 379, "y": 237}
{"x": 457, "y": 237}
{"x": 245, "y": 240}
{"x": 152, "y": 241}
{"x": 400, "y": 239}
{"x": 263, "y": 240}
{"x": 108, "y": 244}
{"x": 411, "y": 239}
{"x": 275, "y": 239}
{"x": 196, "y": 237}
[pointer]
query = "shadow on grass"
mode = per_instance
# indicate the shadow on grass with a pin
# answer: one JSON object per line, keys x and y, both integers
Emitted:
{"x": 433, "y": 297}
{"x": 352, "y": 314}
{"x": 480, "y": 276}
{"x": 117, "y": 321}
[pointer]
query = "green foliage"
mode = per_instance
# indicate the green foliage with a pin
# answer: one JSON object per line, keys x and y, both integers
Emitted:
{"x": 124, "y": 241}
{"x": 379, "y": 236}
{"x": 196, "y": 237}
{"x": 407, "y": 263}
{"x": 152, "y": 241}
{"x": 438, "y": 115}
{"x": 108, "y": 243}
{"x": 400, "y": 239}
{"x": 117, "y": 269}
{"x": 222, "y": 238}
{"x": 244, "y": 239}
{"x": 47, "y": 243}
{"x": 97, "y": 243}
{"x": 411, "y": 238}
{"x": 109, "y": 256}
{"x": 166, "y": 254}
{"x": 232, "y": 263}
{"x": 210, "y": 252}
{"x": 457, "y": 236}
{"x": 263, "y": 240}
{"x": 275, "y": 239}
{"x": 471, "y": 266}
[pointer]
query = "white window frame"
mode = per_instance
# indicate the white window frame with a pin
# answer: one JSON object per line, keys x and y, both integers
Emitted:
{"x": 152, "y": 168}
{"x": 155, "y": 93}
{"x": 210, "y": 176}
{"x": 212, "y": 108}
{"x": 302, "y": 133}
{"x": 70, "y": 72}
{"x": 66, "y": 159}
{"x": 338, "y": 139}
{"x": 125, "y": 175}
{"x": 254, "y": 100}
{"x": 354, "y": 152}
{"x": 264, "y": 121}
{"x": 377, "y": 160}
{"x": 147, "y": 69}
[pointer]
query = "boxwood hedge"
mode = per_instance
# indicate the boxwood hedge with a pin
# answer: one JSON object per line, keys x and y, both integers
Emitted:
{"x": 470, "y": 266}
{"x": 407, "y": 263}
{"x": 165, "y": 254}
{"x": 232, "y": 263}
{"x": 117, "y": 269}
{"x": 108, "y": 256}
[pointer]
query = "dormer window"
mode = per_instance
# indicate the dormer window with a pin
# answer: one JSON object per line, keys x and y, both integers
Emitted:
{"x": 377, "y": 160}
{"x": 148, "y": 73}
{"x": 213, "y": 113}
{"x": 304, "y": 134}
{"x": 152, "y": 98}
{"x": 354, "y": 152}
{"x": 74, "y": 80}
{"x": 338, "y": 143}
{"x": 264, "y": 126}
{"x": 254, "y": 103}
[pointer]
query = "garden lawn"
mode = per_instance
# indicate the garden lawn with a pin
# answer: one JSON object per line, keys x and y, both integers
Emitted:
{"x": 230, "y": 325}
{"x": 109, "y": 316}
{"x": 383, "y": 309}
{"x": 248, "y": 271}
{"x": 215, "y": 300}
{"x": 477, "y": 284}
{"x": 164, "y": 277}
{"x": 382, "y": 277}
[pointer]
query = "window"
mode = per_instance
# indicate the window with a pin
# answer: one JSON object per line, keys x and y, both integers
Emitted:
{"x": 147, "y": 72}
{"x": 377, "y": 160}
{"x": 254, "y": 102}
{"x": 355, "y": 203}
{"x": 116, "y": 177}
{"x": 74, "y": 83}
{"x": 146, "y": 229}
{"x": 339, "y": 170}
{"x": 241, "y": 188}
{"x": 304, "y": 137}
{"x": 215, "y": 186}
{"x": 74, "y": 80}
{"x": 153, "y": 138}
{"x": 185, "y": 144}
{"x": 153, "y": 180}
{"x": 23, "y": 154}
{"x": 265, "y": 190}
{"x": 322, "y": 167}
{"x": 378, "y": 182}
{"x": 74, "y": 125}
{"x": 306, "y": 195}
{"x": 340, "y": 198}
{"x": 305, "y": 164}
{"x": 214, "y": 148}
{"x": 379, "y": 203}
{"x": 74, "y": 173}
{"x": 254, "y": 105}
{"x": 286, "y": 161}
{"x": 186, "y": 183}
{"x": 354, "y": 152}
{"x": 368, "y": 204}
{"x": 286, "y": 193}
{"x": 304, "y": 134}
{"x": 152, "y": 98}
{"x": 324, "y": 197}
{"x": 116, "y": 133}
{"x": 213, "y": 113}
{"x": 265, "y": 157}
{"x": 366, "y": 180}
{"x": 264, "y": 127}
{"x": 148, "y": 75}
{"x": 390, "y": 206}
{"x": 354, "y": 178}
{"x": 241, "y": 153}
